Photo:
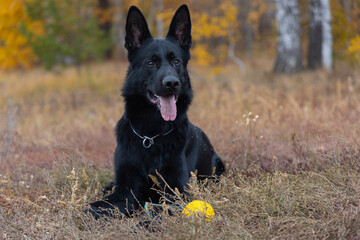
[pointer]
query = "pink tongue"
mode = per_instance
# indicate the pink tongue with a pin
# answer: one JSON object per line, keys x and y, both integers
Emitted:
{"x": 168, "y": 108}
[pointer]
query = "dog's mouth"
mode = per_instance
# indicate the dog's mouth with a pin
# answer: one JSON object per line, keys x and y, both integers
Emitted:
{"x": 166, "y": 105}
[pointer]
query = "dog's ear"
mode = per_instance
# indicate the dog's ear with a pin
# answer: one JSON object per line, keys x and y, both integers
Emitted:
{"x": 180, "y": 27}
{"x": 136, "y": 29}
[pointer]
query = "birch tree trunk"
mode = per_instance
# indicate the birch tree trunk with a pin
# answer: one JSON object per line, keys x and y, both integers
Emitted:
{"x": 289, "y": 52}
{"x": 320, "y": 36}
{"x": 231, "y": 52}
{"x": 327, "y": 59}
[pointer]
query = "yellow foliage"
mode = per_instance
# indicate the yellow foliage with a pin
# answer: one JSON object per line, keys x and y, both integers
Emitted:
{"x": 203, "y": 56}
{"x": 208, "y": 27}
{"x": 215, "y": 23}
{"x": 166, "y": 16}
{"x": 209, "y": 24}
{"x": 341, "y": 28}
{"x": 14, "y": 48}
{"x": 355, "y": 15}
{"x": 345, "y": 27}
{"x": 354, "y": 47}
{"x": 104, "y": 15}
{"x": 129, "y": 3}
{"x": 258, "y": 8}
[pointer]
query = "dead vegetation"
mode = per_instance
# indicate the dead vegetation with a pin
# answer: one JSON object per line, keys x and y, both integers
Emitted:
{"x": 290, "y": 142}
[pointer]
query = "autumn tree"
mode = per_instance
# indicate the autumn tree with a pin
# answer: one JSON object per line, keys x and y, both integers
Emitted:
{"x": 215, "y": 33}
{"x": 354, "y": 47}
{"x": 289, "y": 51}
{"x": 320, "y": 36}
{"x": 345, "y": 28}
{"x": 104, "y": 17}
{"x": 251, "y": 15}
{"x": 15, "y": 50}
{"x": 72, "y": 34}
{"x": 246, "y": 28}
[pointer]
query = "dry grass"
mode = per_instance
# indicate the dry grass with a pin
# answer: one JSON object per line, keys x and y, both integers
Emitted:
{"x": 294, "y": 171}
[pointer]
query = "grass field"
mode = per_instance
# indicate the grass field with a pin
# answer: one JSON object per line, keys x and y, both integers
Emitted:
{"x": 290, "y": 143}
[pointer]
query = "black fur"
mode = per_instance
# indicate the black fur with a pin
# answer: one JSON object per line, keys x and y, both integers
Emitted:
{"x": 157, "y": 68}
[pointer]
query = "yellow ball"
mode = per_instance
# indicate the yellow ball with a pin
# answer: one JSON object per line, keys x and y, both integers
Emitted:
{"x": 199, "y": 208}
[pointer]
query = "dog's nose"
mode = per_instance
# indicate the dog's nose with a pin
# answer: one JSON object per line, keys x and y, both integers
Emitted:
{"x": 171, "y": 82}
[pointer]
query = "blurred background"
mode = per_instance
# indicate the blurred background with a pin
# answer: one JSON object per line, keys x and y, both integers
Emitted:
{"x": 52, "y": 33}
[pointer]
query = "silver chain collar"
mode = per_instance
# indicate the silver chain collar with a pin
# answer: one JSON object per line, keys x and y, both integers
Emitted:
{"x": 149, "y": 141}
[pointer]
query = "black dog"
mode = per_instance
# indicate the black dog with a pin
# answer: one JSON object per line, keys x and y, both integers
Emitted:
{"x": 154, "y": 136}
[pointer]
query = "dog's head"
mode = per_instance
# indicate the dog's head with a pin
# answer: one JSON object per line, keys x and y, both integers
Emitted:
{"x": 157, "y": 70}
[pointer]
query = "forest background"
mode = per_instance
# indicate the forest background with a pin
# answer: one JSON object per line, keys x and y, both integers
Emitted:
{"x": 53, "y": 32}
{"x": 288, "y": 134}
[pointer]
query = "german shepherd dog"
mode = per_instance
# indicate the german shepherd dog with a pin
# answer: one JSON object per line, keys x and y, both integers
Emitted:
{"x": 155, "y": 136}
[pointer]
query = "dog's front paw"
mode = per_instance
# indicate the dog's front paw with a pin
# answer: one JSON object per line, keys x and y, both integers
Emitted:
{"x": 110, "y": 208}
{"x": 99, "y": 209}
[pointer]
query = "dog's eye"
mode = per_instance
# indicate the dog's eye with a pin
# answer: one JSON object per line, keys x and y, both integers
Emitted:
{"x": 176, "y": 61}
{"x": 150, "y": 63}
